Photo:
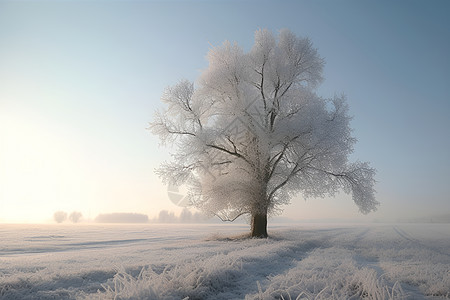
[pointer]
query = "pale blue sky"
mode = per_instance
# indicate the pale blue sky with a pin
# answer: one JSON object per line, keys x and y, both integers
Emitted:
{"x": 79, "y": 80}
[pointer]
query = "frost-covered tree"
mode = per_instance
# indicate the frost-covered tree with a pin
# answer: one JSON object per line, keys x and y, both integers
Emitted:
{"x": 253, "y": 133}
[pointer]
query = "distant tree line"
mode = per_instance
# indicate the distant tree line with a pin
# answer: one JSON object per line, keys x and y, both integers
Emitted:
{"x": 164, "y": 216}
{"x": 186, "y": 216}
{"x": 121, "y": 218}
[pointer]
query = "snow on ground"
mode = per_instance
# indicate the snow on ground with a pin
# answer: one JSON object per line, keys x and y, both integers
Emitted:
{"x": 326, "y": 261}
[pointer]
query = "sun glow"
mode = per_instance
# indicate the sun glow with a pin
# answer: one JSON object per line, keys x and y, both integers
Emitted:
{"x": 37, "y": 170}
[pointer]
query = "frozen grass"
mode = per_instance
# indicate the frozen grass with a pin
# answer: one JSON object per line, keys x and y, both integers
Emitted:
{"x": 193, "y": 280}
{"x": 336, "y": 278}
{"x": 208, "y": 262}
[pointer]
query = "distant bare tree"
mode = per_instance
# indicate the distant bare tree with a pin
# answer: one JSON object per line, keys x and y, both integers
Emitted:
{"x": 60, "y": 216}
{"x": 75, "y": 217}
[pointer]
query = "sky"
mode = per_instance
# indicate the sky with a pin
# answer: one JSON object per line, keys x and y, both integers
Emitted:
{"x": 80, "y": 80}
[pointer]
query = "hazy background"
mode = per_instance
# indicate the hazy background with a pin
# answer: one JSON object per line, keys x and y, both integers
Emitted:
{"x": 80, "y": 80}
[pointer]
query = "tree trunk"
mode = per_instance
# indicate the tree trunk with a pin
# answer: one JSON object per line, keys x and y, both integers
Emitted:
{"x": 259, "y": 225}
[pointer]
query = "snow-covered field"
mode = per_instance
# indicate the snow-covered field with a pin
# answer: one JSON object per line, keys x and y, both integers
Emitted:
{"x": 406, "y": 261}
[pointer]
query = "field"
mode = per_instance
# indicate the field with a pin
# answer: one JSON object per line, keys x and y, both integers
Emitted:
{"x": 306, "y": 261}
